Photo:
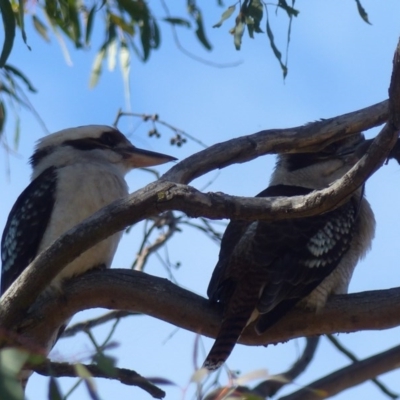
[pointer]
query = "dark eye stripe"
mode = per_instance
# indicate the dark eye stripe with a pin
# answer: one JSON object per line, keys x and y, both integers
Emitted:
{"x": 39, "y": 155}
{"x": 107, "y": 139}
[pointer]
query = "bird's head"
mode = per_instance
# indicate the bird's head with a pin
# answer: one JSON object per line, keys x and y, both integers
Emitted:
{"x": 92, "y": 143}
{"x": 319, "y": 169}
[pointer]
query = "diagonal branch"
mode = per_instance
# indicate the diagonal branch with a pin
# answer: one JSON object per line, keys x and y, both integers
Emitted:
{"x": 353, "y": 358}
{"x": 350, "y": 376}
{"x": 123, "y": 375}
{"x": 86, "y": 325}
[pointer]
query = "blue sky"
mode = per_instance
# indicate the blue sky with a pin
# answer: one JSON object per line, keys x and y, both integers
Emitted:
{"x": 337, "y": 64}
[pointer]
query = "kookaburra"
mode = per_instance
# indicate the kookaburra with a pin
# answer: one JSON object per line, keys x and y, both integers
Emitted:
{"x": 76, "y": 172}
{"x": 266, "y": 268}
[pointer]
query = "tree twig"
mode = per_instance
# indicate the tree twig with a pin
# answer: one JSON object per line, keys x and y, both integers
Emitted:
{"x": 123, "y": 375}
{"x": 353, "y": 358}
{"x": 91, "y": 323}
{"x": 350, "y": 376}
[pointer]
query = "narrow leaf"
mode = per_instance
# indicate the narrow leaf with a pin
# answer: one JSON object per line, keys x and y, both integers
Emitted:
{"x": 362, "y": 12}
{"x": 2, "y": 117}
{"x": 126, "y": 27}
{"x": 112, "y": 54}
{"x": 178, "y": 21}
{"x": 89, "y": 24}
{"x": 277, "y": 53}
{"x": 54, "y": 390}
{"x": 125, "y": 64}
{"x": 238, "y": 33}
{"x": 21, "y": 14}
{"x": 97, "y": 67}
{"x": 40, "y": 28}
{"x": 291, "y": 12}
{"x": 225, "y": 15}
{"x": 20, "y": 75}
{"x": 17, "y": 131}
{"x": 9, "y": 30}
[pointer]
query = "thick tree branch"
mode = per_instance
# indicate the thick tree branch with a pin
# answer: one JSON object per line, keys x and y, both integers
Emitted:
{"x": 123, "y": 375}
{"x": 142, "y": 293}
{"x": 162, "y": 195}
{"x": 350, "y": 376}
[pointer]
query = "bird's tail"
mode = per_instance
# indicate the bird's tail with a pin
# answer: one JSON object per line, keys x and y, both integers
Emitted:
{"x": 229, "y": 333}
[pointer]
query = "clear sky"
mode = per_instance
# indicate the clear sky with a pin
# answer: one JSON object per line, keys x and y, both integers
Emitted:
{"x": 337, "y": 64}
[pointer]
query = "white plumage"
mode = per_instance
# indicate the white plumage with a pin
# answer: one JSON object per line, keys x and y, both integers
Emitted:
{"x": 76, "y": 172}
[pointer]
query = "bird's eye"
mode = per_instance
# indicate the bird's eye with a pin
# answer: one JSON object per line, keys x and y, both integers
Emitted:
{"x": 110, "y": 139}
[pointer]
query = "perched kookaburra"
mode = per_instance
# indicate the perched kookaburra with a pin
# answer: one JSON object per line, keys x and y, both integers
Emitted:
{"x": 267, "y": 268}
{"x": 75, "y": 173}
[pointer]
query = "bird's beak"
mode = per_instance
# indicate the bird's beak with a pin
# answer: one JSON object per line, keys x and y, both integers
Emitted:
{"x": 138, "y": 158}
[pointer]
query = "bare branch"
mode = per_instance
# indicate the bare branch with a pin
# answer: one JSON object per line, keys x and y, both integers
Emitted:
{"x": 123, "y": 375}
{"x": 270, "y": 387}
{"x": 350, "y": 376}
{"x": 353, "y": 358}
{"x": 91, "y": 323}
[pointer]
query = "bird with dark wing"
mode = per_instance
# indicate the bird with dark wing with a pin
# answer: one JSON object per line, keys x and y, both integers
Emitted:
{"x": 266, "y": 268}
{"x": 76, "y": 172}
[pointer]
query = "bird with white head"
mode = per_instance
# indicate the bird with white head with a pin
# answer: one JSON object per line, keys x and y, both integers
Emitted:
{"x": 76, "y": 172}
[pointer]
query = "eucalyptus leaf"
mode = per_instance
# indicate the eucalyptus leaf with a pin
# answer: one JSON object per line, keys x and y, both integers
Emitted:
{"x": 7, "y": 15}
{"x": 225, "y": 15}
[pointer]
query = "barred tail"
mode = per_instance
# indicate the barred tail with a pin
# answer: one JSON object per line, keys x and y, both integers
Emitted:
{"x": 228, "y": 335}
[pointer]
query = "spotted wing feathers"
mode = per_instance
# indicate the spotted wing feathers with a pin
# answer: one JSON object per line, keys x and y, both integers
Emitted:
{"x": 26, "y": 225}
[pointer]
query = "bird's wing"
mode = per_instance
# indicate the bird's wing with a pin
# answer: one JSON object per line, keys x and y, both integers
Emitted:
{"x": 222, "y": 283}
{"x": 298, "y": 254}
{"x": 26, "y": 225}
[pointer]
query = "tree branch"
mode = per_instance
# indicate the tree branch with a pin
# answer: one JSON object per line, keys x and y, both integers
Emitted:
{"x": 139, "y": 292}
{"x": 353, "y": 358}
{"x": 123, "y": 375}
{"x": 85, "y": 325}
{"x": 350, "y": 376}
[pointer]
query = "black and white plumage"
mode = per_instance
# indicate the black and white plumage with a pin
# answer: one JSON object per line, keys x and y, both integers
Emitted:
{"x": 267, "y": 268}
{"x": 75, "y": 173}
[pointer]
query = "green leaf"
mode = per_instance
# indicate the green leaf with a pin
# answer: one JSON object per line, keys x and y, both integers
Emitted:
{"x": 292, "y": 12}
{"x": 72, "y": 19}
{"x": 11, "y": 362}
{"x": 225, "y": 15}
{"x": 255, "y": 12}
{"x": 362, "y": 12}
{"x": 9, "y": 30}
{"x": 97, "y": 67}
{"x": 136, "y": 9}
{"x": 120, "y": 22}
{"x": 19, "y": 74}
{"x": 238, "y": 31}
{"x": 155, "y": 34}
{"x": 2, "y": 117}
{"x": 89, "y": 24}
{"x": 40, "y": 28}
{"x": 145, "y": 37}
{"x": 178, "y": 21}
{"x": 195, "y": 12}
{"x": 84, "y": 373}
{"x": 277, "y": 53}
{"x": 21, "y": 14}
{"x": 17, "y": 131}
{"x": 106, "y": 364}
{"x": 54, "y": 390}
{"x": 112, "y": 54}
